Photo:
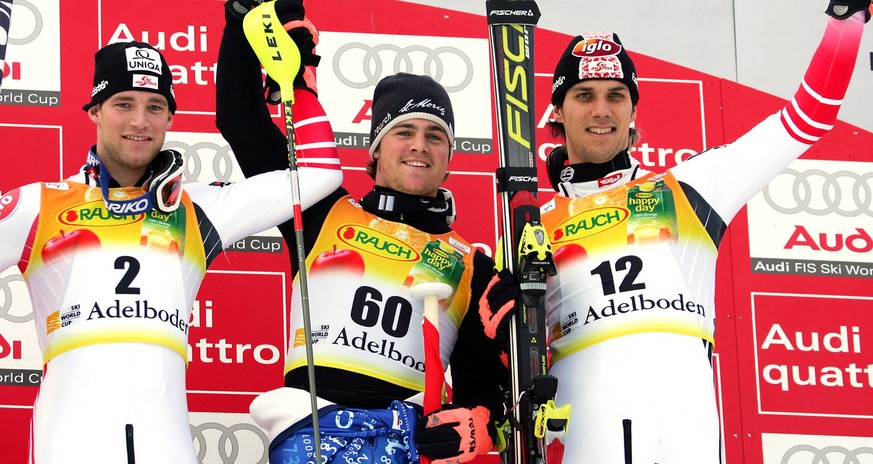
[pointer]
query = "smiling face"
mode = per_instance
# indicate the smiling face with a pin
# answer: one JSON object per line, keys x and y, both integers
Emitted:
{"x": 131, "y": 127}
{"x": 413, "y": 157}
{"x": 596, "y": 114}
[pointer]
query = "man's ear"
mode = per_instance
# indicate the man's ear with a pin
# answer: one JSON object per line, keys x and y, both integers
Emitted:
{"x": 93, "y": 113}
{"x": 558, "y": 115}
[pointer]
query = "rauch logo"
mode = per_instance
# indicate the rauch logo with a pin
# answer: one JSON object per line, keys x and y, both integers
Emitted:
{"x": 376, "y": 243}
{"x": 95, "y": 214}
{"x": 589, "y": 223}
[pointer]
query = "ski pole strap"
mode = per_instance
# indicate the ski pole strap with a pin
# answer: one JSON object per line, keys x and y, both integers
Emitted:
{"x": 515, "y": 179}
{"x": 512, "y": 12}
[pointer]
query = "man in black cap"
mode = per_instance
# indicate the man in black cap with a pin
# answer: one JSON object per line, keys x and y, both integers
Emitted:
{"x": 113, "y": 258}
{"x": 363, "y": 256}
{"x": 631, "y": 308}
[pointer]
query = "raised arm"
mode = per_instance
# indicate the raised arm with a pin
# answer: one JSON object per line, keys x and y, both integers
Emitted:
{"x": 241, "y": 113}
{"x": 260, "y": 146}
{"x": 730, "y": 176}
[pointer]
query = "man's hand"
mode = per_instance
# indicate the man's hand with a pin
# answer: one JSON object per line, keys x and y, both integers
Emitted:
{"x": 305, "y": 36}
{"x": 454, "y": 435}
{"x": 842, "y": 9}
{"x": 497, "y": 305}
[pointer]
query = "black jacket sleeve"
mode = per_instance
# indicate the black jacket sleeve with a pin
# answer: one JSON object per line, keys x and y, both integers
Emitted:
{"x": 243, "y": 118}
{"x": 241, "y": 113}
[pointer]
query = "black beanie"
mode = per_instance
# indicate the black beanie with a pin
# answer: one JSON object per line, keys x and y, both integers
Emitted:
{"x": 405, "y": 96}
{"x": 597, "y": 55}
{"x": 125, "y": 66}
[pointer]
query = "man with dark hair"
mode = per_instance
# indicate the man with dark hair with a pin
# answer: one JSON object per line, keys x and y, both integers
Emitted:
{"x": 369, "y": 350}
{"x": 113, "y": 258}
{"x": 631, "y": 308}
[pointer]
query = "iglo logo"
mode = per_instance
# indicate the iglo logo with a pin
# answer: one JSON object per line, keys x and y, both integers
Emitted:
{"x": 437, "y": 63}
{"x": 589, "y": 48}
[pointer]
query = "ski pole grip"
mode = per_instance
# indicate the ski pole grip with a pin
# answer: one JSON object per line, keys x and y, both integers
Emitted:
{"x": 431, "y": 293}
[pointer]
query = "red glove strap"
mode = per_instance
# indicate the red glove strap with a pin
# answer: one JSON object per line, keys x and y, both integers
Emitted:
{"x": 490, "y": 319}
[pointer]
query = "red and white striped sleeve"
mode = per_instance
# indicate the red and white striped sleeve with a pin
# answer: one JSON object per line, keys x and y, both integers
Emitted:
{"x": 316, "y": 146}
{"x": 813, "y": 110}
{"x": 730, "y": 175}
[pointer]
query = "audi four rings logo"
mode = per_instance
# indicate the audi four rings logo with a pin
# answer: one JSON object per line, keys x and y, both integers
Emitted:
{"x": 819, "y": 192}
{"x": 400, "y": 59}
{"x": 222, "y": 162}
{"x": 227, "y": 444}
{"x": 6, "y": 300}
{"x": 37, "y": 23}
{"x": 822, "y": 456}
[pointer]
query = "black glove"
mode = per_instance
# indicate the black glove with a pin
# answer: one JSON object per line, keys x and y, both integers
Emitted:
{"x": 239, "y": 8}
{"x": 454, "y": 434}
{"x": 842, "y": 9}
{"x": 292, "y": 14}
{"x": 498, "y": 304}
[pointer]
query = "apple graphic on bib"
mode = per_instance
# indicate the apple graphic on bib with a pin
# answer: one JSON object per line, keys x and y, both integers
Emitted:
{"x": 338, "y": 260}
{"x": 69, "y": 242}
{"x": 569, "y": 254}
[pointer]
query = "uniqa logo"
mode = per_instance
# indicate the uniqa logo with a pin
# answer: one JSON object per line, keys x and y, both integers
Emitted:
{"x": 589, "y": 222}
{"x": 95, "y": 214}
{"x": 376, "y": 243}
